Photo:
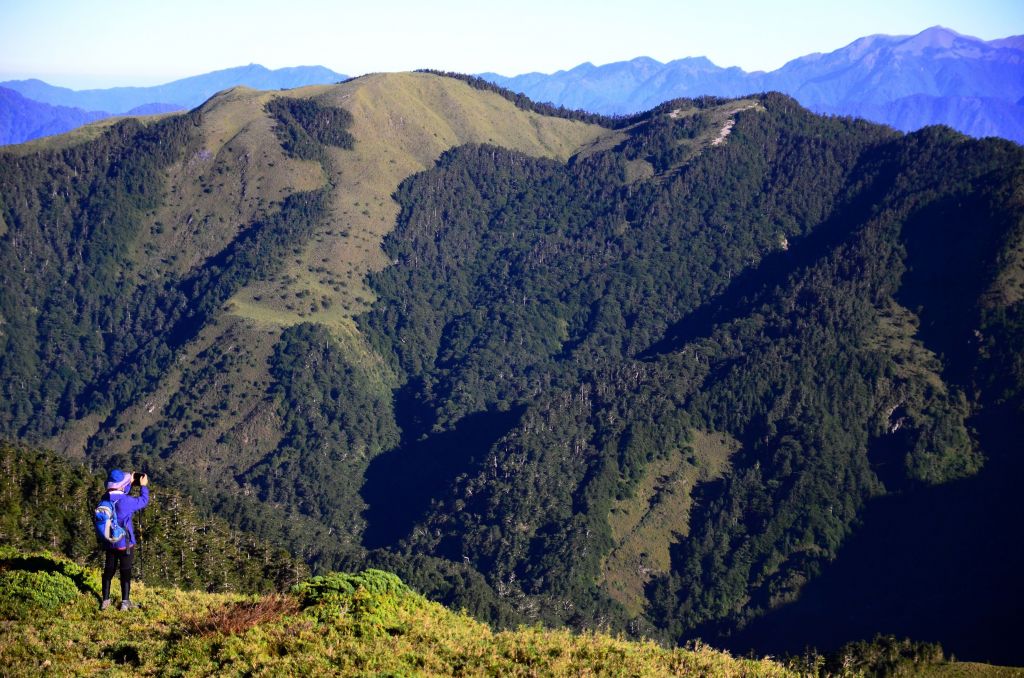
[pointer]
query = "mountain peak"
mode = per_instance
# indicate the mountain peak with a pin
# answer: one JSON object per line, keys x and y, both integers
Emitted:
{"x": 938, "y": 31}
{"x": 249, "y": 68}
{"x": 936, "y": 37}
{"x": 699, "y": 62}
{"x": 581, "y": 68}
{"x": 645, "y": 61}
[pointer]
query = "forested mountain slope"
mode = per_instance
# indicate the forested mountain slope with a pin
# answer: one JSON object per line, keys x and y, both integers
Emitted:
{"x": 647, "y": 373}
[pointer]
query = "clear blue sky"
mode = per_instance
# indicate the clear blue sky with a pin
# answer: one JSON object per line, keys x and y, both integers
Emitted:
{"x": 82, "y": 43}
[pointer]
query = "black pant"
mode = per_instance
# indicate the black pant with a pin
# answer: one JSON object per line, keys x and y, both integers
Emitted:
{"x": 123, "y": 561}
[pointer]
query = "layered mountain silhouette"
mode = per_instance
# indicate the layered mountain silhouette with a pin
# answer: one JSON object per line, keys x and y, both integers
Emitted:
{"x": 185, "y": 93}
{"x": 23, "y": 119}
{"x": 44, "y": 109}
{"x": 935, "y": 77}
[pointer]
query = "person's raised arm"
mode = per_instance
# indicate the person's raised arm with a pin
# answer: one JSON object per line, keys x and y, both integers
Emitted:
{"x": 136, "y": 503}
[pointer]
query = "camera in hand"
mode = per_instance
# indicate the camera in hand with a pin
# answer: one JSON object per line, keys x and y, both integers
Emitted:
{"x": 136, "y": 477}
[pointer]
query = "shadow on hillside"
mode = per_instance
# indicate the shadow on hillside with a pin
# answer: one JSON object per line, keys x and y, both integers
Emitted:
{"x": 400, "y": 484}
{"x": 953, "y": 247}
{"x": 748, "y": 289}
{"x": 940, "y": 564}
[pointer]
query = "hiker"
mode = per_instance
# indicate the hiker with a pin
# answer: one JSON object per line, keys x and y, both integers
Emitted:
{"x": 121, "y": 554}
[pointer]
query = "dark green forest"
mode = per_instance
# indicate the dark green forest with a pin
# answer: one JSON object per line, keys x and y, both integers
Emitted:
{"x": 842, "y": 300}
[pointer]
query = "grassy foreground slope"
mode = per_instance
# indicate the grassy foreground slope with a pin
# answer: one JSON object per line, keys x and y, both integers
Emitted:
{"x": 340, "y": 624}
{"x": 365, "y": 624}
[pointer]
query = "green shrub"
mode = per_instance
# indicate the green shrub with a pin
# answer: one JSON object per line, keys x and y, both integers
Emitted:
{"x": 22, "y": 592}
{"x": 338, "y": 586}
{"x": 367, "y": 602}
{"x": 82, "y": 578}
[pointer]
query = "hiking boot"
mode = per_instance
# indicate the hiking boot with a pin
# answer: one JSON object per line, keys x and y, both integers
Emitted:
{"x": 105, "y": 604}
{"x": 127, "y": 605}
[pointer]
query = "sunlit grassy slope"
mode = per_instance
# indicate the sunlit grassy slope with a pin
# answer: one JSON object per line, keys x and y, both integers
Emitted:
{"x": 402, "y": 122}
{"x": 365, "y": 624}
{"x": 368, "y": 624}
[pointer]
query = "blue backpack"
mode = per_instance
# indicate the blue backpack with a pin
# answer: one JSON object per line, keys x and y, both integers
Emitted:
{"x": 105, "y": 519}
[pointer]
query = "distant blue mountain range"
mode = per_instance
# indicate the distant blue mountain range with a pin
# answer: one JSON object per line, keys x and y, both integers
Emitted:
{"x": 22, "y": 119}
{"x": 184, "y": 93}
{"x": 935, "y": 77}
{"x": 33, "y": 108}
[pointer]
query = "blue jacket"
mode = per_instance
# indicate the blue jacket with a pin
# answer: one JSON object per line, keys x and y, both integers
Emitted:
{"x": 125, "y": 505}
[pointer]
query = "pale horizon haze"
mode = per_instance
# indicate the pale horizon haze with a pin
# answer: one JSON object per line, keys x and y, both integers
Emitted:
{"x": 105, "y": 43}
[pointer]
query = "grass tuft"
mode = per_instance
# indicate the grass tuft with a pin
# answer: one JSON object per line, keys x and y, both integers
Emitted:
{"x": 235, "y": 617}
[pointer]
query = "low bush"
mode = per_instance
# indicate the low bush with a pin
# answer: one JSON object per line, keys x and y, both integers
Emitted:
{"x": 23, "y": 593}
{"x": 371, "y": 601}
{"x": 83, "y": 579}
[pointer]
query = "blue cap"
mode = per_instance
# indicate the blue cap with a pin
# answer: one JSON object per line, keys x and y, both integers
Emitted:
{"x": 118, "y": 479}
